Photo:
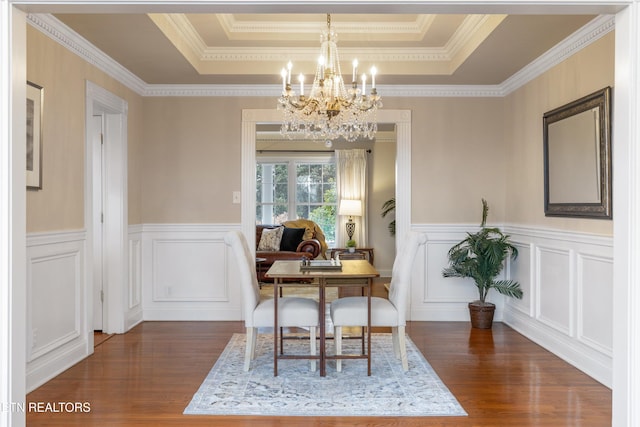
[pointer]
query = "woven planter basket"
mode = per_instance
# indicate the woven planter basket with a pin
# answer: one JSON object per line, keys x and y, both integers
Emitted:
{"x": 481, "y": 315}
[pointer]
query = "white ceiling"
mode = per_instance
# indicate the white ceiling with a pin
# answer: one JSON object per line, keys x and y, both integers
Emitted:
{"x": 407, "y": 49}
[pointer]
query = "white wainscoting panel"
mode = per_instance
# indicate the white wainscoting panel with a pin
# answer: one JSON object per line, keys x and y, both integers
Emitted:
{"x": 595, "y": 302}
{"x": 183, "y": 270}
{"x": 57, "y": 305}
{"x": 186, "y": 273}
{"x": 567, "y": 278}
{"x": 554, "y": 284}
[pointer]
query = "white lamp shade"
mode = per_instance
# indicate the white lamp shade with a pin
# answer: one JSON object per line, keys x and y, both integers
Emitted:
{"x": 350, "y": 207}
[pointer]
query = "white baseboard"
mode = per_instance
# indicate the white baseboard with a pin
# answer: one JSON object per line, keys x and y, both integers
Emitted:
{"x": 54, "y": 363}
{"x": 595, "y": 364}
{"x": 191, "y": 314}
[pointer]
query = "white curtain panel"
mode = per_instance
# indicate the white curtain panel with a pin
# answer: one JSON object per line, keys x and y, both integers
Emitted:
{"x": 351, "y": 171}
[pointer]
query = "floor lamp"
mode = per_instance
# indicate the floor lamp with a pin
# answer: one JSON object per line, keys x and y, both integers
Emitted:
{"x": 350, "y": 207}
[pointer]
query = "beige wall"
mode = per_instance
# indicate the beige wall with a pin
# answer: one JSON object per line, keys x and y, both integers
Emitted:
{"x": 382, "y": 187}
{"x": 457, "y": 158}
{"x": 192, "y": 158}
{"x": 587, "y": 71}
{"x": 60, "y": 203}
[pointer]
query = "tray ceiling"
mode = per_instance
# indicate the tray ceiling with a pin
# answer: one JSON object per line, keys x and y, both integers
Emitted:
{"x": 252, "y": 48}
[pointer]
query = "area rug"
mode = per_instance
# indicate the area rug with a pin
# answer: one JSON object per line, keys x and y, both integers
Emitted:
{"x": 296, "y": 391}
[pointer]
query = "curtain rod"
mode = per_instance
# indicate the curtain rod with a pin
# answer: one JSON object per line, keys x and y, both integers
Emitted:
{"x": 300, "y": 151}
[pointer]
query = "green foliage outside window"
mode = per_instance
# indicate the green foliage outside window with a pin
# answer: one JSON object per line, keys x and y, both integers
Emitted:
{"x": 315, "y": 194}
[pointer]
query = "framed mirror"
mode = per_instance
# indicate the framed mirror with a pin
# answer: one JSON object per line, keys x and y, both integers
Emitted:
{"x": 577, "y": 158}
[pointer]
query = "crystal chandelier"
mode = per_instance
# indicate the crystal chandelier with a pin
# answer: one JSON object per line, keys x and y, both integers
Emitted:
{"x": 329, "y": 111}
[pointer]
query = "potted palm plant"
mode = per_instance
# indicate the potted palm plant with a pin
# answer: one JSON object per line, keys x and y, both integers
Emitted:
{"x": 480, "y": 256}
{"x": 387, "y": 208}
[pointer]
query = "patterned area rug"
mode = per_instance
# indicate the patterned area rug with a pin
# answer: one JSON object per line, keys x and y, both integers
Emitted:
{"x": 389, "y": 391}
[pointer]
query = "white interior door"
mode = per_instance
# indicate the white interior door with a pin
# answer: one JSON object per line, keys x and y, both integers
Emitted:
{"x": 97, "y": 139}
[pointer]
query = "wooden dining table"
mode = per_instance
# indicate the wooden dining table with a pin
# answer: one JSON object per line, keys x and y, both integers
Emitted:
{"x": 352, "y": 273}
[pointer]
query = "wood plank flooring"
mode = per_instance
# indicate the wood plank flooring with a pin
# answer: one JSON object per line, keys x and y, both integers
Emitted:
{"x": 147, "y": 377}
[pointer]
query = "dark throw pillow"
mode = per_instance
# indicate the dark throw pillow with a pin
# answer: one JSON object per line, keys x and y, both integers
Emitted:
{"x": 291, "y": 238}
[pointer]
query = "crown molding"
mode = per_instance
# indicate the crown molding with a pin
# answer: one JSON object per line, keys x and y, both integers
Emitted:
{"x": 63, "y": 35}
{"x": 577, "y": 41}
{"x": 214, "y": 90}
{"x": 417, "y": 28}
{"x": 403, "y": 91}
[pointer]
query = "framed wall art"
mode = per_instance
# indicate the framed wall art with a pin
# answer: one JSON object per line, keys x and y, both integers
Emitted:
{"x": 35, "y": 98}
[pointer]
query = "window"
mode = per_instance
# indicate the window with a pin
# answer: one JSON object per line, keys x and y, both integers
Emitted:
{"x": 304, "y": 187}
{"x": 272, "y": 192}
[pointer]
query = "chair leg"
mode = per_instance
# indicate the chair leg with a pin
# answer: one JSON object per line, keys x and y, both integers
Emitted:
{"x": 403, "y": 348}
{"x": 250, "y": 345}
{"x": 337, "y": 339}
{"x": 312, "y": 338}
{"x": 394, "y": 339}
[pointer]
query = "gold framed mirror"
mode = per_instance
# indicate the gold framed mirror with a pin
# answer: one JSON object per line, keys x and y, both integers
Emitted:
{"x": 577, "y": 158}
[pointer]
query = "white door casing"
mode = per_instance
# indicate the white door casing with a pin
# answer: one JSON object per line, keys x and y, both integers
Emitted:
{"x": 97, "y": 168}
{"x": 115, "y": 246}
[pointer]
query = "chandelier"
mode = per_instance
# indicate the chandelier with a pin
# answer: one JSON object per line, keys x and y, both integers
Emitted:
{"x": 329, "y": 111}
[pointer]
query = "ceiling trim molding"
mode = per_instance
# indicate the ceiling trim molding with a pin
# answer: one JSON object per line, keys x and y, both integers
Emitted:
{"x": 416, "y": 28}
{"x": 577, "y": 41}
{"x": 386, "y": 54}
{"x": 63, "y": 35}
{"x": 404, "y": 91}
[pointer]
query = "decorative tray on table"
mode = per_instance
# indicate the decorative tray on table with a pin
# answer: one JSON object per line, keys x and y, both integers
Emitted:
{"x": 320, "y": 265}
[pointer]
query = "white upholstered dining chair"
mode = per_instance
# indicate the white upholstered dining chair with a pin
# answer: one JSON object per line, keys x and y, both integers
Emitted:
{"x": 292, "y": 311}
{"x": 352, "y": 311}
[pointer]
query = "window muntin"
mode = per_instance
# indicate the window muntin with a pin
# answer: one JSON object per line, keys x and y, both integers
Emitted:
{"x": 302, "y": 186}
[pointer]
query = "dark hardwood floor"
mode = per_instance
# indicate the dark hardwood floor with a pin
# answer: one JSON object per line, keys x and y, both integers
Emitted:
{"x": 147, "y": 377}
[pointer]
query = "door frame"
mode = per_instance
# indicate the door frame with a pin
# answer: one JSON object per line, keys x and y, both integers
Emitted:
{"x": 115, "y": 252}
{"x": 250, "y": 120}
{"x": 97, "y": 166}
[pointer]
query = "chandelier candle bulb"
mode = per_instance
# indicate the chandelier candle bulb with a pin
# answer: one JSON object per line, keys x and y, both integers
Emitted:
{"x": 289, "y": 67}
{"x": 373, "y": 78}
{"x": 283, "y": 73}
{"x": 355, "y": 70}
{"x": 301, "y": 80}
{"x": 364, "y": 84}
{"x": 321, "y": 63}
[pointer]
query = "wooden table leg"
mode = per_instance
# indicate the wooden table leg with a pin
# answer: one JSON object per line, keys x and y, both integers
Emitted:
{"x": 369, "y": 328}
{"x": 276, "y": 282}
{"x": 321, "y": 288}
